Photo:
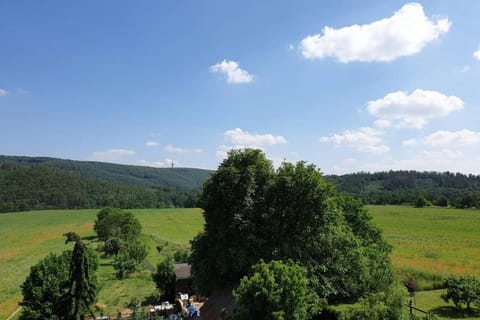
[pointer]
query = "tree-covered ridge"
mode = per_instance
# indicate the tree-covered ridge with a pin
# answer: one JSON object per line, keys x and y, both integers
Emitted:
{"x": 40, "y": 187}
{"x": 399, "y": 187}
{"x": 184, "y": 178}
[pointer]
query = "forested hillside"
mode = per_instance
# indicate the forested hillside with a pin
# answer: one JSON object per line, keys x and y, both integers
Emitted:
{"x": 400, "y": 187}
{"x": 185, "y": 178}
{"x": 25, "y": 187}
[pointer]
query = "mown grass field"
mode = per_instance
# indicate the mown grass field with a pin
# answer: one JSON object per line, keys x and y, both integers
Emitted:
{"x": 428, "y": 243}
{"x": 26, "y": 237}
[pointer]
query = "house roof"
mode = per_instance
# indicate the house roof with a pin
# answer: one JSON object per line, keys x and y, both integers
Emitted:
{"x": 182, "y": 271}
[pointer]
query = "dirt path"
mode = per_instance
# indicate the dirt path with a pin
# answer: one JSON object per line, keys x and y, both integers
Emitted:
{"x": 13, "y": 314}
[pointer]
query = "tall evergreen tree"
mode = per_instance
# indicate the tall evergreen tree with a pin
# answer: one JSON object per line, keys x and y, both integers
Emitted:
{"x": 82, "y": 281}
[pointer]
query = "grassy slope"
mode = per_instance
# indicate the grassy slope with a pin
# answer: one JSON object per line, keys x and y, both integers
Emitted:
{"x": 29, "y": 236}
{"x": 435, "y": 240}
{"x": 431, "y": 241}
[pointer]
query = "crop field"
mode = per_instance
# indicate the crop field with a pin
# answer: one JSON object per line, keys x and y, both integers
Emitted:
{"x": 428, "y": 243}
{"x": 27, "y": 237}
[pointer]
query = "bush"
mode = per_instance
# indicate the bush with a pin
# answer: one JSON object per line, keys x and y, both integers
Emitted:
{"x": 275, "y": 290}
{"x": 165, "y": 278}
{"x": 129, "y": 258}
{"x": 462, "y": 290}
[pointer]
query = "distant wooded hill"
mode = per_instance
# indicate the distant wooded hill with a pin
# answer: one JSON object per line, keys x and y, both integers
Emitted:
{"x": 34, "y": 183}
{"x": 404, "y": 187}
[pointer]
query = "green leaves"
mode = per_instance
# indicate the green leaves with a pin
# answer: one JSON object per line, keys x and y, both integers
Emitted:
{"x": 114, "y": 222}
{"x": 462, "y": 290}
{"x": 275, "y": 290}
{"x": 164, "y": 279}
{"x": 253, "y": 212}
{"x": 130, "y": 256}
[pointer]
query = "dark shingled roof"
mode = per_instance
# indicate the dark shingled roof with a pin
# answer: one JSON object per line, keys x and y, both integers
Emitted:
{"x": 182, "y": 271}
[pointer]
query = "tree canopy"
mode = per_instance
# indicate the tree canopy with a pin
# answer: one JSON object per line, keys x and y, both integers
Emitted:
{"x": 61, "y": 286}
{"x": 275, "y": 291}
{"x": 114, "y": 222}
{"x": 462, "y": 290}
{"x": 254, "y": 212}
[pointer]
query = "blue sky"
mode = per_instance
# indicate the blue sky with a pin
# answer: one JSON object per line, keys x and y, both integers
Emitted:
{"x": 347, "y": 85}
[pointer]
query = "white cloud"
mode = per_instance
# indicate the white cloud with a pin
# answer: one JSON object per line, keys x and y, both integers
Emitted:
{"x": 167, "y": 162}
{"x": 233, "y": 72}
{"x": 4, "y": 92}
{"x": 409, "y": 143}
{"x": 112, "y": 154}
{"x": 414, "y": 110}
{"x": 403, "y": 34}
{"x": 222, "y": 150}
{"x": 239, "y": 137}
{"x": 365, "y": 139}
{"x": 152, "y": 144}
{"x": 436, "y": 160}
{"x": 476, "y": 54}
{"x": 452, "y": 139}
{"x": 436, "y": 155}
{"x": 172, "y": 149}
{"x": 382, "y": 123}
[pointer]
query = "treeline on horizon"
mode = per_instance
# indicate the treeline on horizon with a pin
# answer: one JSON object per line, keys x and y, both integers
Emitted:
{"x": 404, "y": 187}
{"x": 24, "y": 188}
{"x": 33, "y": 183}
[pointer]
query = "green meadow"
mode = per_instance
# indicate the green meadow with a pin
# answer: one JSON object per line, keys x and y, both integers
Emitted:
{"x": 431, "y": 240}
{"x": 428, "y": 244}
{"x": 27, "y": 237}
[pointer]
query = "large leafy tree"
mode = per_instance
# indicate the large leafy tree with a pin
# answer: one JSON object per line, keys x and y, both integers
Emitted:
{"x": 114, "y": 222}
{"x": 275, "y": 291}
{"x": 45, "y": 286}
{"x": 253, "y": 212}
{"x": 235, "y": 205}
{"x": 53, "y": 289}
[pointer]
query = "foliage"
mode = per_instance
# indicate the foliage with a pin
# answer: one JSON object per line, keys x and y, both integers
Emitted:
{"x": 253, "y": 213}
{"x": 421, "y": 202}
{"x": 82, "y": 281}
{"x": 45, "y": 286}
{"x": 112, "y": 246}
{"x": 61, "y": 286}
{"x": 114, "y": 222}
{"x": 402, "y": 187}
{"x": 165, "y": 278}
{"x": 181, "y": 256}
{"x": 387, "y": 305}
{"x": 39, "y": 187}
{"x": 411, "y": 285}
{"x": 131, "y": 255}
{"x": 275, "y": 290}
{"x": 462, "y": 290}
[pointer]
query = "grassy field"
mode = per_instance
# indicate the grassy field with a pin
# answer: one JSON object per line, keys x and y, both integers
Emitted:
{"x": 434, "y": 240}
{"x": 428, "y": 243}
{"x": 29, "y": 236}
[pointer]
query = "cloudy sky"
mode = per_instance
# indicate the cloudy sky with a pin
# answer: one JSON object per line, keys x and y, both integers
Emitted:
{"x": 347, "y": 85}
